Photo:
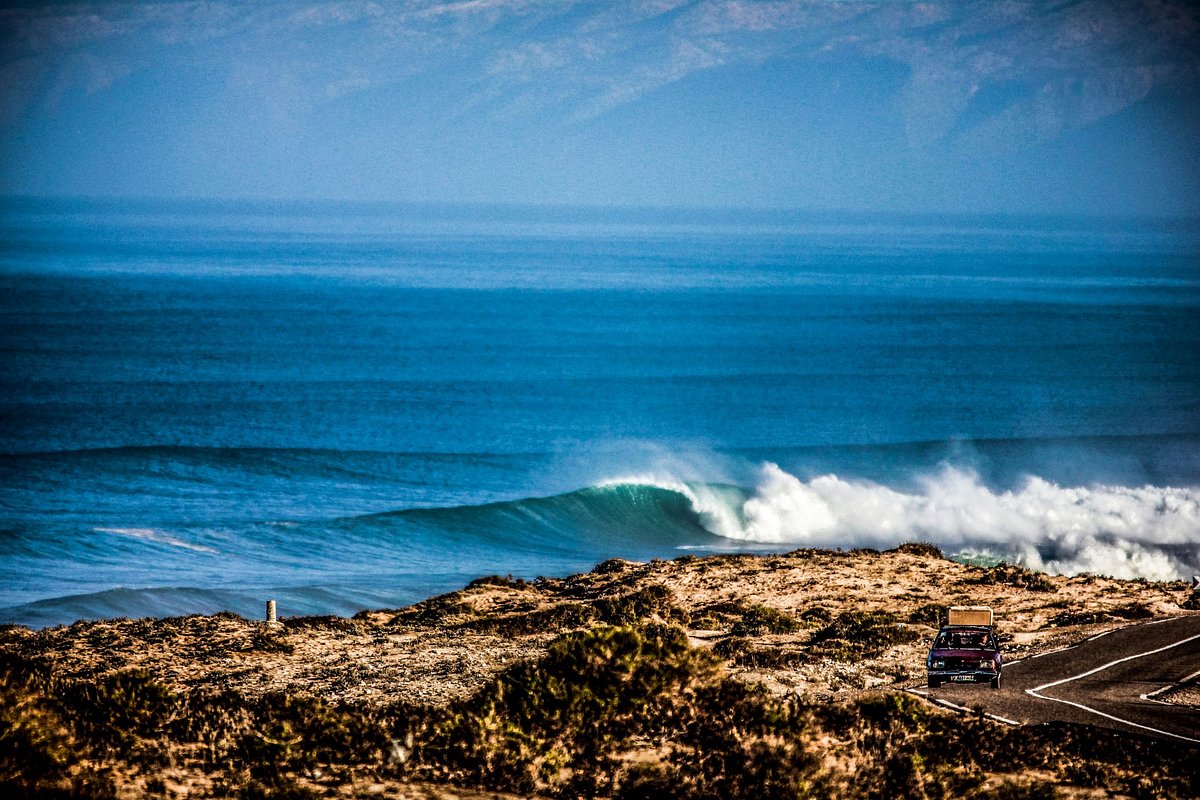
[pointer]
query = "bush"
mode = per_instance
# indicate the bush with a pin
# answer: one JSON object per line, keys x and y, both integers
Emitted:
{"x": 552, "y": 619}
{"x": 1012, "y": 790}
{"x": 744, "y": 652}
{"x": 815, "y": 616}
{"x": 263, "y": 641}
{"x": 861, "y": 634}
{"x": 1130, "y": 611}
{"x": 436, "y": 611}
{"x": 541, "y": 726}
{"x": 758, "y": 619}
{"x": 639, "y": 605}
{"x": 117, "y": 709}
{"x": 36, "y": 747}
{"x": 926, "y": 549}
{"x": 506, "y": 582}
{"x": 932, "y": 614}
{"x": 1016, "y": 575}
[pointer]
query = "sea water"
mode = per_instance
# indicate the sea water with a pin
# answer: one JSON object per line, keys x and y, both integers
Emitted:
{"x": 348, "y": 406}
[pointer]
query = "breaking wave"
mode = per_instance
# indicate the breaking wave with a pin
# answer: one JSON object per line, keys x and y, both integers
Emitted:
{"x": 1127, "y": 532}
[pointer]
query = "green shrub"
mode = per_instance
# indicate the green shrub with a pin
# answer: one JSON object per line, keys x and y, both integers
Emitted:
{"x": 36, "y": 746}
{"x": 932, "y": 614}
{"x": 815, "y": 616}
{"x": 861, "y": 634}
{"x": 114, "y": 711}
{"x": 503, "y": 581}
{"x": 552, "y": 619}
{"x": 758, "y": 619}
{"x": 539, "y": 726}
{"x": 1016, "y": 575}
{"x": 265, "y": 641}
{"x": 926, "y": 549}
{"x": 436, "y": 611}
{"x": 640, "y": 605}
{"x": 742, "y": 650}
{"x": 1014, "y": 790}
{"x": 1130, "y": 611}
{"x": 328, "y": 622}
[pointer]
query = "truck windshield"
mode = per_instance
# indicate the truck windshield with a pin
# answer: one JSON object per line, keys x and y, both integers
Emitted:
{"x": 964, "y": 640}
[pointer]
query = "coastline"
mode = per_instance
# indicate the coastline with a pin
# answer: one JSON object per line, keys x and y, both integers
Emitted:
{"x": 812, "y": 629}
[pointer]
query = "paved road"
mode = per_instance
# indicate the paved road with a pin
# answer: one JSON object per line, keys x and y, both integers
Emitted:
{"x": 1100, "y": 681}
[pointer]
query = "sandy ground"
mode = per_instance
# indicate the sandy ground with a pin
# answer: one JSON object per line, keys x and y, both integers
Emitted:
{"x": 1187, "y": 694}
{"x": 447, "y": 647}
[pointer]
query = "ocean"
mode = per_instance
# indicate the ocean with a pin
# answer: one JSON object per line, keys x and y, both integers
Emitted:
{"x": 205, "y": 405}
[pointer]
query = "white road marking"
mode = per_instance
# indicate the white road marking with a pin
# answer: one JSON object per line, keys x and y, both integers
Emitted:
{"x": 1035, "y": 692}
{"x": 1150, "y": 695}
{"x": 938, "y": 701}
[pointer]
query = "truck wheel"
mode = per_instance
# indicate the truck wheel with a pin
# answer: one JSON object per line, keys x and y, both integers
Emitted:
{"x": 934, "y": 682}
{"x": 996, "y": 682}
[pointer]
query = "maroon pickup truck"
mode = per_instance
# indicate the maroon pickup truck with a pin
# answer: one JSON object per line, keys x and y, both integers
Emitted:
{"x": 964, "y": 654}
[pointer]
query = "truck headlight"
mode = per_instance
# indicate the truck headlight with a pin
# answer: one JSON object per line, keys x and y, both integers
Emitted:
{"x": 939, "y": 664}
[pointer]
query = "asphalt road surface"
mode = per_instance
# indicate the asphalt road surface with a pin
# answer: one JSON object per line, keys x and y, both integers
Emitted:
{"x": 1108, "y": 680}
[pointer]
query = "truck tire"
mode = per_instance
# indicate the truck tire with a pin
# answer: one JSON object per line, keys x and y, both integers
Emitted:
{"x": 934, "y": 682}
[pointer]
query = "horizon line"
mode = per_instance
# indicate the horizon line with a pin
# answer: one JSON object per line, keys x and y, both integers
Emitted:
{"x": 566, "y": 209}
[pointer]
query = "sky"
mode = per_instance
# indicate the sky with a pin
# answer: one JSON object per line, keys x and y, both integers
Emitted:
{"x": 1088, "y": 107}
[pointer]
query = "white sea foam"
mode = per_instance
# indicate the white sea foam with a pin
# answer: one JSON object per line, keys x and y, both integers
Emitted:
{"x": 151, "y": 535}
{"x": 1127, "y": 532}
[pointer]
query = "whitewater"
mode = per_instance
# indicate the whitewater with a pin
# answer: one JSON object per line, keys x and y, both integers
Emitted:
{"x": 1126, "y": 532}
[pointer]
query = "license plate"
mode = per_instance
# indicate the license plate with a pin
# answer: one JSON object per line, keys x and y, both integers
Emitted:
{"x": 963, "y": 678}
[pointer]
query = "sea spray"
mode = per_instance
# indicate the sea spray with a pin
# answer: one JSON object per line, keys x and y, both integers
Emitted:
{"x": 1127, "y": 532}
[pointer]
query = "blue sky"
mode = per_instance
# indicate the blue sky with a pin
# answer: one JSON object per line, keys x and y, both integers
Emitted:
{"x": 1067, "y": 107}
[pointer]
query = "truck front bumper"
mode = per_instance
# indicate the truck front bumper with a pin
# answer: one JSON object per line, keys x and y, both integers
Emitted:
{"x": 961, "y": 675}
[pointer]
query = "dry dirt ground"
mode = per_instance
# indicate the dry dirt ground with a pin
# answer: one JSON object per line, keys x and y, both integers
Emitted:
{"x": 768, "y": 617}
{"x": 447, "y": 647}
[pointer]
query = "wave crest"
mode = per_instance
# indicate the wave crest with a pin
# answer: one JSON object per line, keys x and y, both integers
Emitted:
{"x": 1127, "y": 532}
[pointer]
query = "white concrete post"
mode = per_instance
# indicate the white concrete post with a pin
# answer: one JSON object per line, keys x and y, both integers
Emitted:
{"x": 271, "y": 612}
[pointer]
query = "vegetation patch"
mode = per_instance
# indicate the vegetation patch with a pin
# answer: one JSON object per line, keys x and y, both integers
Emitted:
{"x": 628, "y": 712}
{"x": 1130, "y": 611}
{"x": 815, "y": 616}
{"x": 759, "y": 619}
{"x": 856, "y": 635}
{"x": 503, "y": 581}
{"x": 744, "y": 652}
{"x": 931, "y": 614}
{"x": 436, "y": 611}
{"x": 1016, "y": 575}
{"x": 651, "y": 601}
{"x": 552, "y": 619}
{"x": 925, "y": 549}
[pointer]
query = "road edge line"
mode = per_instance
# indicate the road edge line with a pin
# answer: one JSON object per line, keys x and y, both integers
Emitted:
{"x": 1036, "y": 691}
{"x": 937, "y": 701}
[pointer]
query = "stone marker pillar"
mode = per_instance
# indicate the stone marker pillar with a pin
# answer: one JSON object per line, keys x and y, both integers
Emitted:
{"x": 271, "y": 612}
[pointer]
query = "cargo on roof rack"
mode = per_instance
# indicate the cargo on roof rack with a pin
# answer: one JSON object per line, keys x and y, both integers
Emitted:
{"x": 970, "y": 615}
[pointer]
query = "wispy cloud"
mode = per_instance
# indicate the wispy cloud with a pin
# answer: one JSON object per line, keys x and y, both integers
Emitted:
{"x": 1077, "y": 62}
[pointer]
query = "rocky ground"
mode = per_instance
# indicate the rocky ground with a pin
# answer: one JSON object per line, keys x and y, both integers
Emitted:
{"x": 821, "y": 629}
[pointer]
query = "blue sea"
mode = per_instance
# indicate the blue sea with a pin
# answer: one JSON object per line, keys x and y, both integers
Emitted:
{"x": 206, "y": 405}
